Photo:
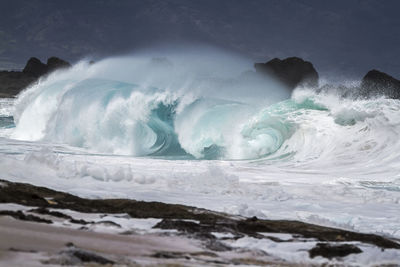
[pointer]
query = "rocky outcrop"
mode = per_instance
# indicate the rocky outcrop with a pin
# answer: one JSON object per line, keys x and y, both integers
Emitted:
{"x": 201, "y": 222}
{"x": 292, "y": 71}
{"x": 76, "y": 231}
{"x": 13, "y": 82}
{"x": 332, "y": 251}
{"x": 55, "y": 63}
{"x": 34, "y": 67}
{"x": 377, "y": 83}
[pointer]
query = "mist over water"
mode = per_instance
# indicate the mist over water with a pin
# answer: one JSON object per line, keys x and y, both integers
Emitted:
{"x": 194, "y": 104}
{"x": 203, "y": 104}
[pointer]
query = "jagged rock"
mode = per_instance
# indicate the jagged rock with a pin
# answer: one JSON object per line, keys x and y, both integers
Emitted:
{"x": 19, "y": 215}
{"x": 35, "y": 67}
{"x": 331, "y": 251}
{"x": 292, "y": 71}
{"x": 13, "y": 82}
{"x": 203, "y": 222}
{"x": 54, "y": 63}
{"x": 45, "y": 211}
{"x": 79, "y": 221}
{"x": 170, "y": 255}
{"x": 377, "y": 83}
{"x": 73, "y": 256}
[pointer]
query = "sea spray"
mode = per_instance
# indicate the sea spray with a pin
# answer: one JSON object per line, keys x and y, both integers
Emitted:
{"x": 193, "y": 106}
{"x": 145, "y": 106}
{"x": 331, "y": 160}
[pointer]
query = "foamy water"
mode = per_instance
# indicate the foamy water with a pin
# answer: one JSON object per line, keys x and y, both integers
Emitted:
{"x": 210, "y": 137}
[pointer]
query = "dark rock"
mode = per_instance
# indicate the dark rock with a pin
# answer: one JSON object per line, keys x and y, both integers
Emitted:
{"x": 35, "y": 67}
{"x": 216, "y": 245}
{"x": 80, "y": 221}
{"x": 204, "y": 253}
{"x": 180, "y": 225}
{"x": 75, "y": 255}
{"x": 292, "y": 71}
{"x": 85, "y": 256}
{"x": 51, "y": 213}
{"x": 376, "y": 83}
{"x": 306, "y": 230}
{"x": 13, "y": 82}
{"x": 129, "y": 232}
{"x": 174, "y": 216}
{"x": 19, "y": 215}
{"x": 69, "y": 245}
{"x": 196, "y": 230}
{"x": 201, "y": 231}
{"x": 55, "y": 63}
{"x": 253, "y": 219}
{"x": 331, "y": 251}
{"x": 170, "y": 255}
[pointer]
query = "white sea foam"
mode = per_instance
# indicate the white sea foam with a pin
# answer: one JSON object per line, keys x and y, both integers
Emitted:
{"x": 6, "y": 107}
{"x": 315, "y": 157}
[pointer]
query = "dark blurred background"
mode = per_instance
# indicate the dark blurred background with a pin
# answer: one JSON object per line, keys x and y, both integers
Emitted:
{"x": 341, "y": 37}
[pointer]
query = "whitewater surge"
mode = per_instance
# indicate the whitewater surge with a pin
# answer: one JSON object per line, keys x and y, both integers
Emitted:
{"x": 205, "y": 131}
{"x": 155, "y": 108}
{"x": 133, "y": 118}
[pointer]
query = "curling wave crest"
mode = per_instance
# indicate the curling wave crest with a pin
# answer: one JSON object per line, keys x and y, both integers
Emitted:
{"x": 307, "y": 156}
{"x": 163, "y": 107}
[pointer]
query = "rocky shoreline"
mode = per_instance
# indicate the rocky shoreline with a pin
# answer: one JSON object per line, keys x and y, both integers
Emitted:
{"x": 50, "y": 227}
{"x": 40, "y": 226}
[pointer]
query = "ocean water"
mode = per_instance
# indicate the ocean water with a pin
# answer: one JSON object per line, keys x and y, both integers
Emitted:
{"x": 207, "y": 133}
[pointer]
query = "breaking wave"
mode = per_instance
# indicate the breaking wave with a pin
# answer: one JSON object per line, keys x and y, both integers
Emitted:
{"x": 165, "y": 107}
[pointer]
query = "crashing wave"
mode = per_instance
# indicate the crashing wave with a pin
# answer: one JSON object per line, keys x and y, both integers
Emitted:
{"x": 133, "y": 106}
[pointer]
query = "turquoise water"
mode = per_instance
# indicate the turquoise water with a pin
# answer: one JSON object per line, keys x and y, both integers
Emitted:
{"x": 95, "y": 132}
{"x": 7, "y": 122}
{"x": 125, "y": 119}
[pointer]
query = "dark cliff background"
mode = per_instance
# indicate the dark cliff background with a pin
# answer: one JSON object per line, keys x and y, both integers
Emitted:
{"x": 342, "y": 37}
